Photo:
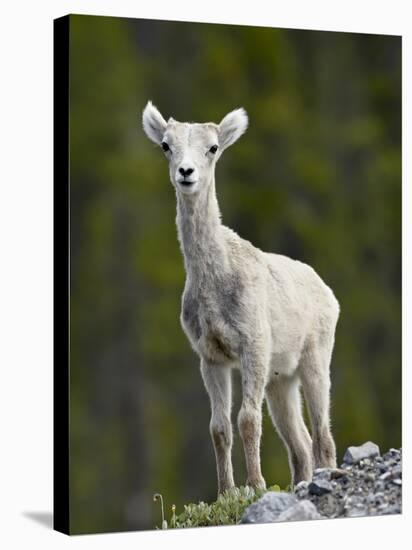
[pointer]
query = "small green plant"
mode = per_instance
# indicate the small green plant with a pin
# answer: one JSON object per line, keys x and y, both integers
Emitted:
{"x": 227, "y": 510}
{"x": 173, "y": 520}
{"x": 159, "y": 497}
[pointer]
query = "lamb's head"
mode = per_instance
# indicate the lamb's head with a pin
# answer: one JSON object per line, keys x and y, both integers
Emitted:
{"x": 192, "y": 149}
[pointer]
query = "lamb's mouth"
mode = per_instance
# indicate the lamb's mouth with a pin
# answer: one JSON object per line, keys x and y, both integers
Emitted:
{"x": 187, "y": 183}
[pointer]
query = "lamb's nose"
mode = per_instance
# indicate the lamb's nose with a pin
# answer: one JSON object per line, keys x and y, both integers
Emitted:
{"x": 186, "y": 172}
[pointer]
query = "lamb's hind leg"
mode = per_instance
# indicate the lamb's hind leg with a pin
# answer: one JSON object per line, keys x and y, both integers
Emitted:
{"x": 284, "y": 402}
{"x": 315, "y": 376}
{"x": 218, "y": 383}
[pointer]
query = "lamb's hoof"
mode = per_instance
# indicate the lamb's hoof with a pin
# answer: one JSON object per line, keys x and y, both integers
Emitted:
{"x": 256, "y": 483}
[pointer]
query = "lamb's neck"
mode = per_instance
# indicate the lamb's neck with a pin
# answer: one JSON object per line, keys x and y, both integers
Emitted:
{"x": 200, "y": 232}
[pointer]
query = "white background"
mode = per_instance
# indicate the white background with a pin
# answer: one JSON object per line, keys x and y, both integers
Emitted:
{"x": 26, "y": 239}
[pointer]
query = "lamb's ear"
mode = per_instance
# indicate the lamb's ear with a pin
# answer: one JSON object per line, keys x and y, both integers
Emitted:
{"x": 153, "y": 123}
{"x": 232, "y": 127}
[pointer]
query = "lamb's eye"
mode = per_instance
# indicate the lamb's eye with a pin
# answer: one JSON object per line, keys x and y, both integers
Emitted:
{"x": 165, "y": 146}
{"x": 213, "y": 149}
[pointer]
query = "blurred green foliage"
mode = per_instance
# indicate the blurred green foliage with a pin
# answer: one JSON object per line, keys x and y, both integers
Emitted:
{"x": 317, "y": 177}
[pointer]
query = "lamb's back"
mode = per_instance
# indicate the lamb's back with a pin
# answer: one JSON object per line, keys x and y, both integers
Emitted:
{"x": 291, "y": 291}
{"x": 300, "y": 295}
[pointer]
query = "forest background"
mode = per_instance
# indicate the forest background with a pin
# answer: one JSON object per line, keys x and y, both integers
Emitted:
{"x": 316, "y": 177}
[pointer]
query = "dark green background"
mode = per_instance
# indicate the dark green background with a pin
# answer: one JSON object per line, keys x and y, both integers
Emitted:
{"x": 316, "y": 177}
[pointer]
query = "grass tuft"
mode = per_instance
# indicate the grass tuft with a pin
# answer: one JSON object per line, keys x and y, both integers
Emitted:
{"x": 226, "y": 510}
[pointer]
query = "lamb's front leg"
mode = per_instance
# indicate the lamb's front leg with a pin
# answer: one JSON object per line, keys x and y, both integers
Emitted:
{"x": 250, "y": 415}
{"x": 217, "y": 380}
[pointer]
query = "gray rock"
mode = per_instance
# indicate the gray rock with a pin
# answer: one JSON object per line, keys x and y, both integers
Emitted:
{"x": 354, "y": 455}
{"x": 328, "y": 505}
{"x": 394, "y": 509}
{"x": 337, "y": 473}
{"x": 379, "y": 497}
{"x": 388, "y": 457}
{"x": 368, "y": 485}
{"x": 268, "y": 508}
{"x": 322, "y": 473}
{"x": 301, "y": 489}
{"x": 301, "y": 511}
{"x": 356, "y": 512}
{"x": 319, "y": 487}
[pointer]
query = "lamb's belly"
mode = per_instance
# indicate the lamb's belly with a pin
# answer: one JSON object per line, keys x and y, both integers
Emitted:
{"x": 287, "y": 343}
{"x": 284, "y": 363}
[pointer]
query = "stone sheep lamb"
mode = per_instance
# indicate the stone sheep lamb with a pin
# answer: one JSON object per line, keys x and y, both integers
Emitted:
{"x": 268, "y": 315}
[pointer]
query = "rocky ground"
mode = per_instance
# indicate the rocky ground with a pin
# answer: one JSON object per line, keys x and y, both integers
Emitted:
{"x": 366, "y": 484}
